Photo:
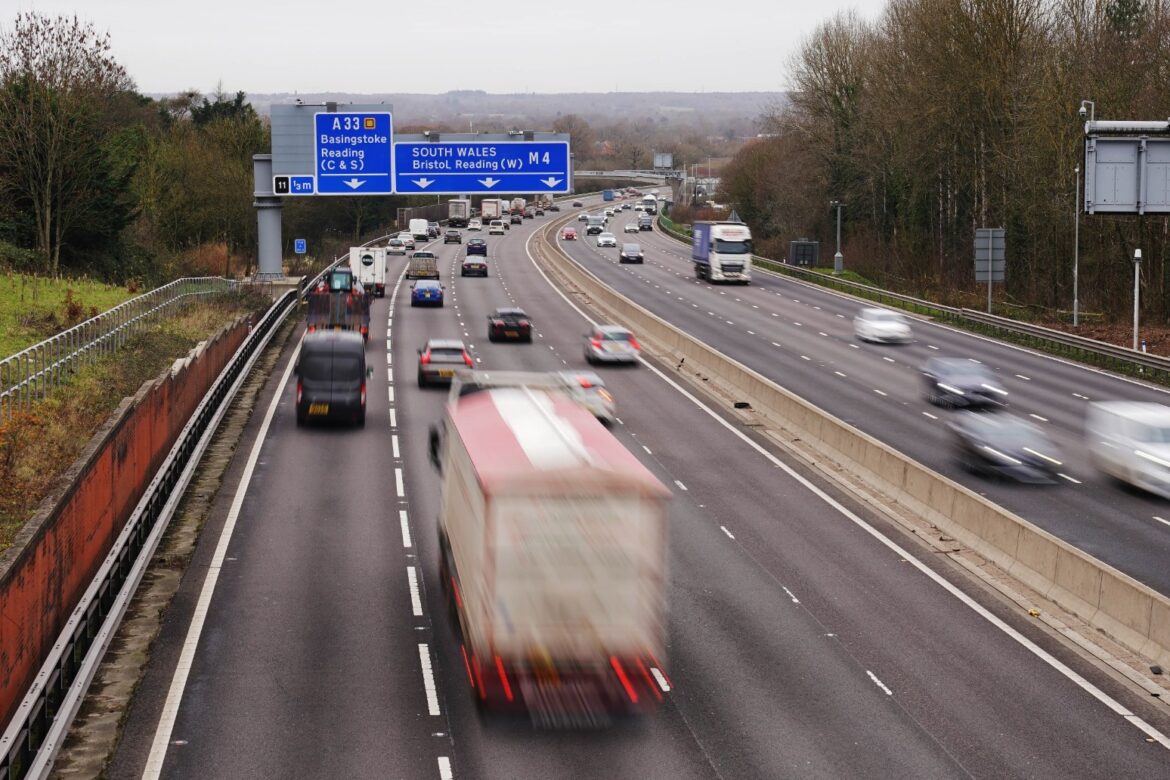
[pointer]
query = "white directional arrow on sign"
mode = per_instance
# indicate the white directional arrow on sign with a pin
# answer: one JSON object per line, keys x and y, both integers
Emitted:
{"x": 353, "y": 184}
{"x": 489, "y": 182}
{"x": 424, "y": 182}
{"x": 550, "y": 182}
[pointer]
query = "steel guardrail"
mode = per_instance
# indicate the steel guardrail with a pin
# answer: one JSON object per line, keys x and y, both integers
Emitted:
{"x": 1099, "y": 353}
{"x": 37, "y": 730}
{"x": 34, "y": 372}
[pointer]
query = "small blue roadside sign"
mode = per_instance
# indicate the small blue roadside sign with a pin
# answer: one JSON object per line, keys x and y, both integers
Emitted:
{"x": 458, "y": 167}
{"x": 300, "y": 246}
{"x": 293, "y": 185}
{"x": 352, "y": 153}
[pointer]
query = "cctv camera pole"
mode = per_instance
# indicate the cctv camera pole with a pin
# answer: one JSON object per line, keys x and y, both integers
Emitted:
{"x": 1137, "y": 275}
{"x": 1076, "y": 247}
{"x": 838, "y": 259}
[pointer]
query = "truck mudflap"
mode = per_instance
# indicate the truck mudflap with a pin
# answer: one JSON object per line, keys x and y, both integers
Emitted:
{"x": 567, "y": 696}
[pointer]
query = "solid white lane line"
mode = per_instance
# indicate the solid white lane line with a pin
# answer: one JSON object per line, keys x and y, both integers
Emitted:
{"x": 394, "y": 445}
{"x": 415, "y": 601}
{"x": 774, "y": 344}
{"x": 879, "y": 392}
{"x": 681, "y": 486}
{"x": 445, "y": 769}
{"x": 648, "y": 452}
{"x": 931, "y": 346}
{"x": 931, "y": 416}
{"x": 729, "y": 534}
{"x": 879, "y": 683}
{"x": 805, "y": 357}
{"x": 170, "y": 710}
{"x": 791, "y": 595}
{"x": 1038, "y": 417}
{"x": 838, "y": 373}
{"x": 822, "y": 333}
{"x": 1082, "y": 397}
{"x": 1070, "y": 479}
{"x": 888, "y": 359}
{"x": 398, "y": 485}
{"x": 1025, "y": 378}
{"x": 402, "y": 521}
{"x": 854, "y": 346}
{"x": 1162, "y": 520}
{"x": 424, "y": 658}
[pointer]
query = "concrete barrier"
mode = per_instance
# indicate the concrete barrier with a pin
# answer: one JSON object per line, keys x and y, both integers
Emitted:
{"x": 1131, "y": 613}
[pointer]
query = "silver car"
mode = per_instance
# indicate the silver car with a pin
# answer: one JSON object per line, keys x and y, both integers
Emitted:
{"x": 407, "y": 239}
{"x": 882, "y": 326}
{"x": 395, "y": 247}
{"x": 606, "y": 239}
{"x": 588, "y": 389}
{"x": 611, "y": 344}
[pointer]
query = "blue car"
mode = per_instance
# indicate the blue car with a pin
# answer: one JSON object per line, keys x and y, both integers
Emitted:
{"x": 426, "y": 292}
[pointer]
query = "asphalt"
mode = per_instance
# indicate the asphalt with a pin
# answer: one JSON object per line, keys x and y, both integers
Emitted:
{"x": 799, "y": 644}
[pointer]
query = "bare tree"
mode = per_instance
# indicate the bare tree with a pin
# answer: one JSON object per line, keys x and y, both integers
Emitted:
{"x": 55, "y": 76}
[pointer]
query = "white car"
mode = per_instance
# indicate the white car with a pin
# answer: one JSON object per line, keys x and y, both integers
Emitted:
{"x": 631, "y": 227}
{"x": 407, "y": 239}
{"x": 475, "y": 223}
{"x": 606, "y": 239}
{"x": 609, "y": 212}
{"x": 639, "y": 207}
{"x": 395, "y": 247}
{"x": 496, "y": 227}
{"x": 611, "y": 344}
{"x": 588, "y": 389}
{"x": 881, "y": 326}
{"x": 582, "y": 217}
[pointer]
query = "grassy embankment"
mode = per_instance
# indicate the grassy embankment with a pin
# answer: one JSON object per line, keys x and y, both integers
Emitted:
{"x": 33, "y": 308}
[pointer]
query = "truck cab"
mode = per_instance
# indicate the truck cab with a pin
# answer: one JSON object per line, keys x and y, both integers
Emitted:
{"x": 722, "y": 251}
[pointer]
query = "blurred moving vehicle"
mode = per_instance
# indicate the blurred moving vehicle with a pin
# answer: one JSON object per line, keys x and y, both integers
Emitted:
{"x": 645, "y": 222}
{"x": 338, "y": 303}
{"x": 395, "y": 247}
{"x": 473, "y": 266}
{"x": 631, "y": 253}
{"x": 583, "y": 217}
{"x": 477, "y": 246}
{"x": 1003, "y": 445}
{"x": 509, "y": 323}
{"x": 720, "y": 251}
{"x": 407, "y": 239}
{"x": 961, "y": 383}
{"x": 453, "y": 237}
{"x": 577, "y": 204}
{"x": 426, "y": 292}
{"x": 433, "y": 230}
{"x": 588, "y": 389}
{"x": 331, "y": 377}
{"x": 552, "y": 556}
{"x": 422, "y": 265}
{"x": 611, "y": 344}
{"x": 439, "y": 360}
{"x": 569, "y": 234}
{"x": 882, "y": 326}
{"x": 475, "y": 223}
{"x": 1130, "y": 441}
{"x": 515, "y": 219}
{"x": 496, "y": 227}
{"x": 368, "y": 264}
{"x": 630, "y": 227}
{"x": 606, "y": 239}
{"x": 458, "y": 212}
{"x": 420, "y": 229}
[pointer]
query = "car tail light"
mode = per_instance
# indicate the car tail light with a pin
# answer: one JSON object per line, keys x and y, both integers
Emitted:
{"x": 467, "y": 359}
{"x": 596, "y": 343}
{"x": 621, "y": 674}
{"x": 634, "y": 343}
{"x": 312, "y": 328}
{"x": 498, "y": 323}
{"x": 363, "y": 393}
{"x": 523, "y": 323}
{"x": 504, "y": 679}
{"x": 584, "y": 382}
{"x": 300, "y": 390}
{"x": 425, "y": 358}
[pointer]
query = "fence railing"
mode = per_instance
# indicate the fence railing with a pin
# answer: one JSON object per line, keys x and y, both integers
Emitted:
{"x": 34, "y": 372}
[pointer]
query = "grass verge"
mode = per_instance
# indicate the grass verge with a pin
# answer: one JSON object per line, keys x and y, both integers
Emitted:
{"x": 33, "y": 308}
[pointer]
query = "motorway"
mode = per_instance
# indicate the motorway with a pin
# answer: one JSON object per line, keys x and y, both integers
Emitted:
{"x": 801, "y": 337}
{"x": 807, "y": 638}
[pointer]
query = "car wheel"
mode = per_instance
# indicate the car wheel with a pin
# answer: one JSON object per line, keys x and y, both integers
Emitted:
{"x": 422, "y": 382}
{"x": 490, "y": 336}
{"x": 300, "y": 418}
{"x": 528, "y": 338}
{"x": 361, "y": 420}
{"x": 414, "y": 303}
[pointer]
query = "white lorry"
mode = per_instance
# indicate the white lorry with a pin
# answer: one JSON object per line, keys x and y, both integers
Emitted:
{"x": 458, "y": 212}
{"x": 419, "y": 230}
{"x": 552, "y": 540}
{"x": 518, "y": 205}
{"x": 492, "y": 208}
{"x": 368, "y": 264}
{"x": 722, "y": 251}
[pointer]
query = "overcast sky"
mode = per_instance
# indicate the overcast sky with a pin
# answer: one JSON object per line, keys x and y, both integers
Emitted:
{"x": 432, "y": 46}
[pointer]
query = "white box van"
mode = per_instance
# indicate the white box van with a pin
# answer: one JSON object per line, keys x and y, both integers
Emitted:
{"x": 368, "y": 264}
{"x": 1130, "y": 441}
{"x": 420, "y": 230}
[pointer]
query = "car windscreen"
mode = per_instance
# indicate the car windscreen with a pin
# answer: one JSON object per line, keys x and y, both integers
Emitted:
{"x": 732, "y": 247}
{"x": 632, "y": 249}
{"x": 616, "y": 336}
{"x": 446, "y": 355}
{"x": 1151, "y": 434}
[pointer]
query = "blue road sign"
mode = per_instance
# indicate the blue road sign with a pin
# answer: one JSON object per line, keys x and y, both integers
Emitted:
{"x": 300, "y": 246}
{"x": 456, "y": 167}
{"x": 293, "y": 185}
{"x": 352, "y": 152}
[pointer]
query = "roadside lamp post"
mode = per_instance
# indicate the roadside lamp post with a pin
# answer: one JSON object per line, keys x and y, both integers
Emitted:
{"x": 1076, "y": 248}
{"x": 1137, "y": 275}
{"x": 838, "y": 259}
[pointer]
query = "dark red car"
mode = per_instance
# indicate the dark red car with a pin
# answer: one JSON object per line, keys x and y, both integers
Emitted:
{"x": 509, "y": 324}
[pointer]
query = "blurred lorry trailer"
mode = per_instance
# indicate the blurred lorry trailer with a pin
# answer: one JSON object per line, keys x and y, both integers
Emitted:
{"x": 338, "y": 303}
{"x": 552, "y": 541}
{"x": 368, "y": 264}
{"x": 458, "y": 212}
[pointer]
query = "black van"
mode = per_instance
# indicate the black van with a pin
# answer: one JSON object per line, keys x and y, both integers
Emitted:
{"x": 331, "y": 377}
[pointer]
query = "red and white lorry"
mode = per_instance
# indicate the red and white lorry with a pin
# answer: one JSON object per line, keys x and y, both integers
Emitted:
{"x": 552, "y": 540}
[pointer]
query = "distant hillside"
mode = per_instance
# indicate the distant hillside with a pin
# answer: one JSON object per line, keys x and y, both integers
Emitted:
{"x": 531, "y": 111}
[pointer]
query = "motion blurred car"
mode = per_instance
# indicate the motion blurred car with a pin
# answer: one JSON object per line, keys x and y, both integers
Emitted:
{"x": 509, "y": 323}
{"x": 625, "y": 207}
{"x": 583, "y": 217}
{"x": 611, "y": 344}
{"x": 475, "y": 223}
{"x": 433, "y": 229}
{"x": 961, "y": 383}
{"x": 1130, "y": 441}
{"x": 588, "y": 389}
{"x": 477, "y": 246}
{"x": 606, "y": 239}
{"x": 631, "y": 253}
{"x": 426, "y": 292}
{"x": 473, "y": 266}
{"x": 554, "y": 207}
{"x": 639, "y": 207}
{"x": 529, "y": 213}
{"x": 539, "y": 211}
{"x": 515, "y": 219}
{"x": 331, "y": 376}
{"x": 439, "y": 360}
{"x": 608, "y": 212}
{"x": 577, "y": 204}
{"x": 496, "y": 227}
{"x": 881, "y": 326}
{"x": 631, "y": 227}
{"x": 407, "y": 239}
{"x": 453, "y": 236}
{"x": 395, "y": 247}
{"x": 569, "y": 234}
{"x": 1003, "y": 445}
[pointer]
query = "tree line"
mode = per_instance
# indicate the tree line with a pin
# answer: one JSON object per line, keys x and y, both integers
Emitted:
{"x": 944, "y": 116}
